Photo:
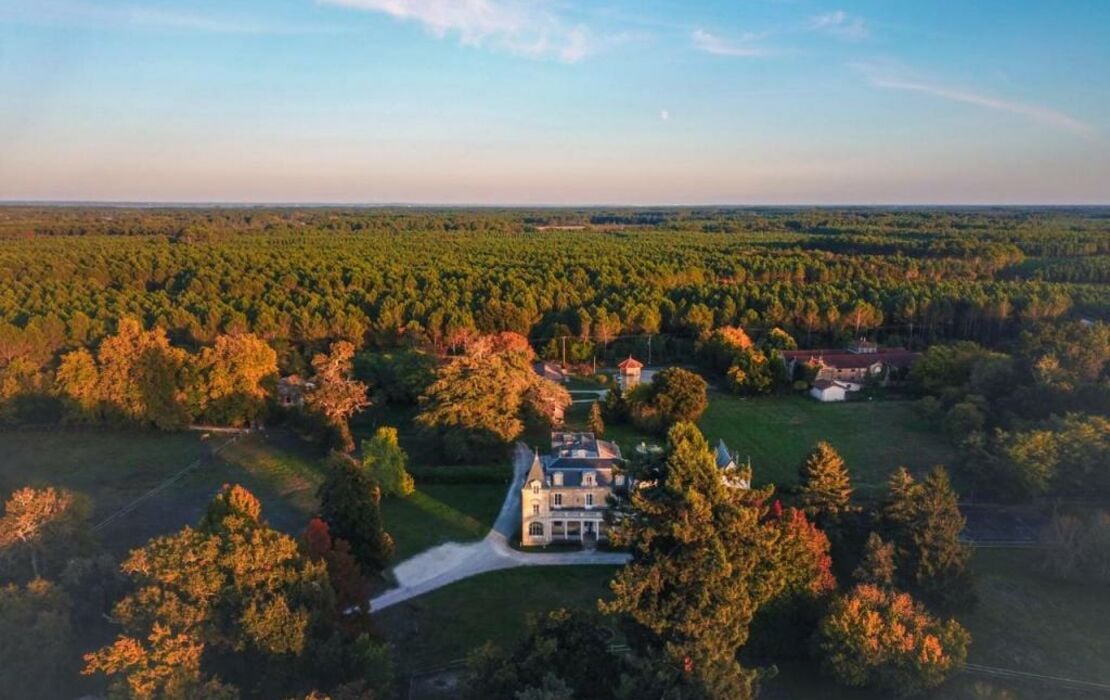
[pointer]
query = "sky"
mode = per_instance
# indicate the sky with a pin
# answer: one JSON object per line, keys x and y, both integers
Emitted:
{"x": 639, "y": 102}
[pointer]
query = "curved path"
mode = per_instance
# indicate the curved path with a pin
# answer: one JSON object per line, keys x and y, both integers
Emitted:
{"x": 447, "y": 563}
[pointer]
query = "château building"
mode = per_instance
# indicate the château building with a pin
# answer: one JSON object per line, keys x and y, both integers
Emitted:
{"x": 566, "y": 493}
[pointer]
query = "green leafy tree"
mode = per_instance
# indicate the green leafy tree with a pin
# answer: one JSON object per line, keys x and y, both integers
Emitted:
{"x": 614, "y": 407}
{"x": 569, "y": 646}
{"x": 674, "y": 395}
{"x": 1066, "y": 455}
{"x": 385, "y": 461}
{"x": 826, "y": 490}
{"x": 396, "y": 377}
{"x": 36, "y": 641}
{"x": 679, "y": 395}
{"x": 692, "y": 587}
{"x": 350, "y": 503}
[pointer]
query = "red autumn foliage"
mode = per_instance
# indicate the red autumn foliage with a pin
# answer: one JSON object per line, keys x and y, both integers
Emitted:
{"x": 317, "y": 539}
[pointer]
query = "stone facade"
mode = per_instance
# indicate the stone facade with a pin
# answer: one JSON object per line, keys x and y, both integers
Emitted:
{"x": 565, "y": 494}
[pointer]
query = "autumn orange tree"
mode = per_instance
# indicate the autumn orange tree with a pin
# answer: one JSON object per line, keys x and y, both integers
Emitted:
{"x": 884, "y": 639}
{"x": 334, "y": 394}
{"x": 137, "y": 376}
{"x": 234, "y": 379}
{"x": 40, "y": 529}
{"x": 352, "y": 588}
{"x": 796, "y": 570}
{"x": 230, "y": 599}
{"x": 480, "y": 399}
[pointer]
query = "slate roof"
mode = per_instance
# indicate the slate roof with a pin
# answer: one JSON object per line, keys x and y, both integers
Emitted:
{"x": 573, "y": 477}
{"x": 724, "y": 457}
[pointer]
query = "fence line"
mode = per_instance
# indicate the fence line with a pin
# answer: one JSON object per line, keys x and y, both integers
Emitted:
{"x": 178, "y": 476}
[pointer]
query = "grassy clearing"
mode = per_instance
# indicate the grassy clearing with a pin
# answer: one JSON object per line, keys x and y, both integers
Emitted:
{"x": 439, "y": 513}
{"x": 446, "y": 624}
{"x": 1027, "y": 621}
{"x": 777, "y": 432}
{"x": 113, "y": 468}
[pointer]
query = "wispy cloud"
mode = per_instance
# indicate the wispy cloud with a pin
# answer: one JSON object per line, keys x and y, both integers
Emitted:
{"x": 527, "y": 27}
{"x": 889, "y": 78}
{"x": 90, "y": 14}
{"x": 839, "y": 24}
{"x": 744, "y": 46}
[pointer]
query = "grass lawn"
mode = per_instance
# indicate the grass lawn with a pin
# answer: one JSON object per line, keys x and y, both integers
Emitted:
{"x": 113, "y": 468}
{"x": 446, "y": 624}
{"x": 777, "y": 432}
{"x": 1033, "y": 623}
{"x": 439, "y": 513}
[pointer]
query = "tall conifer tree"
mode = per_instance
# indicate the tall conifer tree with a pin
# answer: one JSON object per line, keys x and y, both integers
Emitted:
{"x": 826, "y": 487}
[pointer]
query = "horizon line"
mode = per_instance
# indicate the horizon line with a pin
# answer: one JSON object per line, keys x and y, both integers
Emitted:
{"x": 124, "y": 203}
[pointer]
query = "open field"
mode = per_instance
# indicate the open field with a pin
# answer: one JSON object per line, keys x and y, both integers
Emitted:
{"x": 777, "y": 432}
{"x": 1028, "y": 621}
{"x": 114, "y": 468}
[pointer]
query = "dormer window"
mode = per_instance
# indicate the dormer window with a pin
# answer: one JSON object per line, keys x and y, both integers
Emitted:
{"x": 558, "y": 478}
{"x": 588, "y": 479}
{"x": 535, "y": 487}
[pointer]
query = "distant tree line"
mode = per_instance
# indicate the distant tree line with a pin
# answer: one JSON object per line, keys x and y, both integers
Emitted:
{"x": 301, "y": 279}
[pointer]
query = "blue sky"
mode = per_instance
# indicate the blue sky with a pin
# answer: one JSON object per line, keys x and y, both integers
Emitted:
{"x": 555, "y": 102}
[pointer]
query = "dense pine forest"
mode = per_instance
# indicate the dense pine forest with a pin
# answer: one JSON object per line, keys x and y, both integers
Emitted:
{"x": 302, "y": 277}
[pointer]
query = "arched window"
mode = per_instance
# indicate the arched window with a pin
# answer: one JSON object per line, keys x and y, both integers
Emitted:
{"x": 535, "y": 529}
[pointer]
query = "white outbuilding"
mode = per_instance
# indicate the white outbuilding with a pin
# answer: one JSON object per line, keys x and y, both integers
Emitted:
{"x": 830, "y": 390}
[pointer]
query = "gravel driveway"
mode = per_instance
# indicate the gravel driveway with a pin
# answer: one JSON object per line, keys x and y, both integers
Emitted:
{"x": 447, "y": 563}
